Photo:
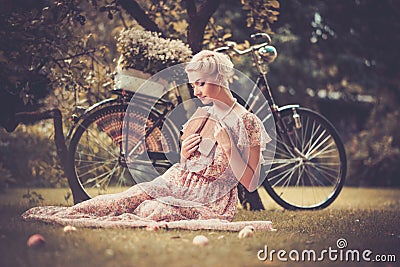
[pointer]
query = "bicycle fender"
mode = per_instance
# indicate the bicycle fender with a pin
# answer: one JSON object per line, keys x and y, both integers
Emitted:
{"x": 288, "y": 107}
{"x": 86, "y": 112}
{"x": 96, "y": 105}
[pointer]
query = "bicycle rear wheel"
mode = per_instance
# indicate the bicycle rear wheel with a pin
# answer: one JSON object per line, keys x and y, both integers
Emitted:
{"x": 311, "y": 176}
{"x": 95, "y": 157}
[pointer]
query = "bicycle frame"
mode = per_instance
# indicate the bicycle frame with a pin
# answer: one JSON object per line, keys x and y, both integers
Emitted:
{"x": 312, "y": 149}
{"x": 262, "y": 83}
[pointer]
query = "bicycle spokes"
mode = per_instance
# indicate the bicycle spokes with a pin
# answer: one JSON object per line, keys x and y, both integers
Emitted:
{"x": 307, "y": 172}
{"x": 97, "y": 151}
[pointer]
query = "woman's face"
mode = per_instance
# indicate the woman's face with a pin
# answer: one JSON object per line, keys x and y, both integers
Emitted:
{"x": 203, "y": 87}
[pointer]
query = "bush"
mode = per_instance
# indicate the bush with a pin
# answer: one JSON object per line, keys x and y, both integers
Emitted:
{"x": 28, "y": 158}
{"x": 374, "y": 153}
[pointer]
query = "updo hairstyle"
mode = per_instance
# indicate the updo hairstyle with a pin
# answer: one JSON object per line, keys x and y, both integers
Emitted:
{"x": 218, "y": 66}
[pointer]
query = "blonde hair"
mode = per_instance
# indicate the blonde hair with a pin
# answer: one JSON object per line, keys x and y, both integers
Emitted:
{"x": 217, "y": 65}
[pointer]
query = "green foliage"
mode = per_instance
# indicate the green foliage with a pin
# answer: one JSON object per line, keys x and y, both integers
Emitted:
{"x": 238, "y": 19}
{"x": 261, "y": 14}
{"x": 54, "y": 45}
{"x": 374, "y": 152}
{"x": 29, "y": 157}
{"x": 40, "y": 42}
{"x": 170, "y": 16}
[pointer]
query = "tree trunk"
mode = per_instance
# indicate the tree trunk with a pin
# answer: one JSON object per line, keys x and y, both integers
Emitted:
{"x": 59, "y": 139}
{"x": 197, "y": 20}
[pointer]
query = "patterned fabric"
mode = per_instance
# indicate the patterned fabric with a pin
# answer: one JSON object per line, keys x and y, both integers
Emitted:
{"x": 208, "y": 196}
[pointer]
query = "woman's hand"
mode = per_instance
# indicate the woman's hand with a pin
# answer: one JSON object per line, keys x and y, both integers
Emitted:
{"x": 190, "y": 145}
{"x": 223, "y": 138}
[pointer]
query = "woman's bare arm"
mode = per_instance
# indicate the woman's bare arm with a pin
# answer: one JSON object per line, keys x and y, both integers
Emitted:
{"x": 247, "y": 170}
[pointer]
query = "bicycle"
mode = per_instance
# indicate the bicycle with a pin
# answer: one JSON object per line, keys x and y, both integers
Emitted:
{"x": 307, "y": 172}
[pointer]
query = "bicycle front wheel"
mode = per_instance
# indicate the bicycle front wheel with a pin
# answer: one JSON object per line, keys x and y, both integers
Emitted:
{"x": 95, "y": 157}
{"x": 311, "y": 175}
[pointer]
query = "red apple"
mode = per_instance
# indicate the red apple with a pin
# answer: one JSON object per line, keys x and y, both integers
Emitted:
{"x": 35, "y": 240}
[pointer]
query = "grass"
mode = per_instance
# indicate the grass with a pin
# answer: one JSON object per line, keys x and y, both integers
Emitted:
{"x": 366, "y": 218}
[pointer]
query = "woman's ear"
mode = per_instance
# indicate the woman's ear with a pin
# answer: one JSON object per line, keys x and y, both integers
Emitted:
{"x": 220, "y": 78}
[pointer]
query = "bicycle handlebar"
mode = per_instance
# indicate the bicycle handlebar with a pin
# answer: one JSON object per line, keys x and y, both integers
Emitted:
{"x": 263, "y": 52}
{"x": 254, "y": 36}
{"x": 231, "y": 45}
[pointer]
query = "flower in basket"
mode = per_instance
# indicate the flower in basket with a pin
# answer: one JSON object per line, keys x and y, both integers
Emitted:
{"x": 149, "y": 52}
{"x": 145, "y": 53}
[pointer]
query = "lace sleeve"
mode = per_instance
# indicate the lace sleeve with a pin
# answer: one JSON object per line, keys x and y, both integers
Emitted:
{"x": 252, "y": 132}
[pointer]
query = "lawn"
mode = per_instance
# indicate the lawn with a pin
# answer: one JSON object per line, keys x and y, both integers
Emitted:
{"x": 368, "y": 219}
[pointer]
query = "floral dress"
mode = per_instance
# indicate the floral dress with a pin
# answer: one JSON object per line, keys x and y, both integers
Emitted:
{"x": 179, "y": 194}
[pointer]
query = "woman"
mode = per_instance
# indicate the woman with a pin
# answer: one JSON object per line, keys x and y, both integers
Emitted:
{"x": 201, "y": 186}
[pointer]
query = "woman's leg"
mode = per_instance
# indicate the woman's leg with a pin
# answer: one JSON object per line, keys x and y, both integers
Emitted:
{"x": 113, "y": 204}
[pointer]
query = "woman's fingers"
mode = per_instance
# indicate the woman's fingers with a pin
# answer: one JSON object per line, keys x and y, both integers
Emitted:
{"x": 192, "y": 139}
{"x": 190, "y": 145}
{"x": 193, "y": 149}
{"x": 188, "y": 151}
{"x": 223, "y": 138}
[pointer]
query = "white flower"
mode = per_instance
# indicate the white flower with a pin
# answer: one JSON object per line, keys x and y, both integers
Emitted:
{"x": 247, "y": 231}
{"x": 149, "y": 52}
{"x": 69, "y": 229}
{"x": 200, "y": 240}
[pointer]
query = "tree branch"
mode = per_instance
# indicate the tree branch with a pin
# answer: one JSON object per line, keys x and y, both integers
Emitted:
{"x": 88, "y": 52}
{"x": 137, "y": 12}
